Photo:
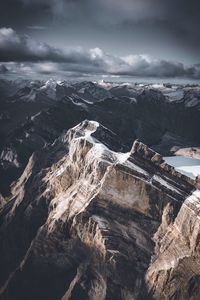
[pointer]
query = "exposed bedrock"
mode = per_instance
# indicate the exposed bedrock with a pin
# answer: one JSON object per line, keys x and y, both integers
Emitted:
{"x": 86, "y": 221}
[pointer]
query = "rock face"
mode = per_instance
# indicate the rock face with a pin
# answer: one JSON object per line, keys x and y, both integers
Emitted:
{"x": 189, "y": 152}
{"x": 87, "y": 221}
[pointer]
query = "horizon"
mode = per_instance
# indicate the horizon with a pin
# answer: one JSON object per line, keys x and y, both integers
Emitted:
{"x": 107, "y": 79}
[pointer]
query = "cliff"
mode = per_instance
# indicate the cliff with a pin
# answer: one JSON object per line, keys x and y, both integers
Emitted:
{"x": 86, "y": 221}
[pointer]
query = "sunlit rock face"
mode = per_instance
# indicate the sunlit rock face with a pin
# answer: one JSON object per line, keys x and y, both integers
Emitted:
{"x": 175, "y": 269}
{"x": 88, "y": 221}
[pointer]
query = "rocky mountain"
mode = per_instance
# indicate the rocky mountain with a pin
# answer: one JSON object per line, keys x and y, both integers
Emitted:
{"x": 34, "y": 113}
{"x": 87, "y": 220}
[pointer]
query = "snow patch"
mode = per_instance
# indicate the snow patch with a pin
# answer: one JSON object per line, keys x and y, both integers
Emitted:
{"x": 185, "y": 165}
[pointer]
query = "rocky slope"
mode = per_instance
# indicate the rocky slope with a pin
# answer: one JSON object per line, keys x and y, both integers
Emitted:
{"x": 189, "y": 152}
{"x": 88, "y": 221}
{"x": 34, "y": 113}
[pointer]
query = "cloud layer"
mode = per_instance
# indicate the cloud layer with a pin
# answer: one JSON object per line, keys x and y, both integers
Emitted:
{"x": 22, "y": 54}
{"x": 14, "y": 47}
{"x": 165, "y": 29}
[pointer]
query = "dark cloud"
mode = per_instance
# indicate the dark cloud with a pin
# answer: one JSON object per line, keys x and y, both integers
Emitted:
{"x": 36, "y": 27}
{"x": 3, "y": 69}
{"x": 179, "y": 11}
{"x": 26, "y": 56}
{"x": 145, "y": 66}
{"x": 14, "y": 47}
{"x": 165, "y": 29}
{"x": 183, "y": 13}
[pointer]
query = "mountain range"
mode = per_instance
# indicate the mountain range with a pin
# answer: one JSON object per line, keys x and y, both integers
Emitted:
{"x": 34, "y": 113}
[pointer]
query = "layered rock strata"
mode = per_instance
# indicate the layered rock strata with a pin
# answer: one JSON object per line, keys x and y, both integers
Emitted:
{"x": 86, "y": 221}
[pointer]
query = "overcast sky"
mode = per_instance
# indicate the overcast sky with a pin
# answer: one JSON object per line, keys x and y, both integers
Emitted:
{"x": 159, "y": 38}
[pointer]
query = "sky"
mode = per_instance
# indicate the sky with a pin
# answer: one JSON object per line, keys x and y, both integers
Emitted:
{"x": 117, "y": 38}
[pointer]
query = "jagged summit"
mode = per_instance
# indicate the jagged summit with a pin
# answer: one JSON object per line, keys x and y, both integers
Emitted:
{"x": 89, "y": 220}
{"x": 94, "y": 132}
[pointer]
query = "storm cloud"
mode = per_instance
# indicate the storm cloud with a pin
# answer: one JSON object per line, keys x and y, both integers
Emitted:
{"x": 166, "y": 30}
{"x": 182, "y": 12}
{"x": 3, "y": 69}
{"x": 23, "y": 54}
{"x": 14, "y": 47}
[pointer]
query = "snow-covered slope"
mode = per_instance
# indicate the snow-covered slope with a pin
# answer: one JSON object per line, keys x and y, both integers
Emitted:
{"x": 186, "y": 165}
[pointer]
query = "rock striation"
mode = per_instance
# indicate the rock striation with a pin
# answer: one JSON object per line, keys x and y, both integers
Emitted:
{"x": 88, "y": 221}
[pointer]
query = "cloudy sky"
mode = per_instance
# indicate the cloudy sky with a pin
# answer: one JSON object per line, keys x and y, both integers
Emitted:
{"x": 147, "y": 38}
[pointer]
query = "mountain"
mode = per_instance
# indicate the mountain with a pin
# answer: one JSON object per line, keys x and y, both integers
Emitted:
{"x": 34, "y": 113}
{"x": 87, "y": 221}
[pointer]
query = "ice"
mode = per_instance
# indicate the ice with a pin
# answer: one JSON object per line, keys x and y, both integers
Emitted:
{"x": 185, "y": 165}
{"x": 191, "y": 171}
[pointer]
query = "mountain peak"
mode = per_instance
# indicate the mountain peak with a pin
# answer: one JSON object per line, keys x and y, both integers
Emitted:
{"x": 98, "y": 222}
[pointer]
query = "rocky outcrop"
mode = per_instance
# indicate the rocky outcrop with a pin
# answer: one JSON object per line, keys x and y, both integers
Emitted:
{"x": 87, "y": 221}
{"x": 2, "y": 201}
{"x": 189, "y": 152}
{"x": 175, "y": 269}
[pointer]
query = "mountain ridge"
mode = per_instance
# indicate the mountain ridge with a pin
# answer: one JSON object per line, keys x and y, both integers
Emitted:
{"x": 88, "y": 222}
{"x": 35, "y": 113}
